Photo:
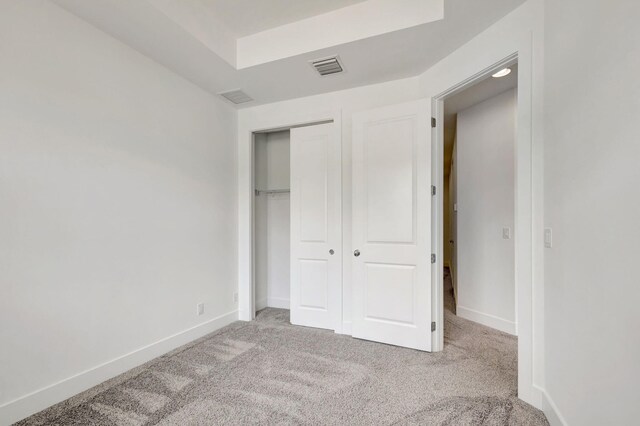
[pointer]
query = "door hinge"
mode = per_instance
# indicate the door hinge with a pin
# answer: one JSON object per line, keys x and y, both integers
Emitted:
{"x": 433, "y": 326}
{"x": 433, "y": 258}
{"x": 433, "y": 122}
{"x": 433, "y": 190}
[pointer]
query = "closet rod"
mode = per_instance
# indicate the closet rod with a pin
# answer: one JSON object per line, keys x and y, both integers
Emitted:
{"x": 272, "y": 191}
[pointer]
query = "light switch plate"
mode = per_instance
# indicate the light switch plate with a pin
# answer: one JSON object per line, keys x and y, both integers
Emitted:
{"x": 200, "y": 308}
{"x": 548, "y": 237}
{"x": 506, "y": 233}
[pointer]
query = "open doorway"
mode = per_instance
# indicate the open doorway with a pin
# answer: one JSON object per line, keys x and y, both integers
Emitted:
{"x": 479, "y": 201}
{"x": 527, "y": 208}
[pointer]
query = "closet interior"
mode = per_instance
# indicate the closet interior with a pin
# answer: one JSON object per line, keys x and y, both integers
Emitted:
{"x": 272, "y": 219}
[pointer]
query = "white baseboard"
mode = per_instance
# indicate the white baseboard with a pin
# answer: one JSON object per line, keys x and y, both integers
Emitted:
{"x": 487, "y": 319}
{"x": 34, "y": 402}
{"x": 550, "y": 410}
{"x": 535, "y": 396}
{"x": 277, "y": 302}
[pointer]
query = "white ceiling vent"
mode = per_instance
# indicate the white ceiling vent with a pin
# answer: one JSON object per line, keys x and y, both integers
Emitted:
{"x": 328, "y": 66}
{"x": 236, "y": 96}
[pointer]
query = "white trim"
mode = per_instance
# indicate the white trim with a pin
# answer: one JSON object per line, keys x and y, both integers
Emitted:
{"x": 487, "y": 319}
{"x": 36, "y": 401}
{"x": 278, "y": 302}
{"x": 437, "y": 224}
{"x": 346, "y": 328}
{"x": 551, "y": 410}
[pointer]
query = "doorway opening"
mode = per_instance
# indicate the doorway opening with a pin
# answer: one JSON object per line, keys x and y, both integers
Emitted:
{"x": 479, "y": 201}
{"x": 526, "y": 219}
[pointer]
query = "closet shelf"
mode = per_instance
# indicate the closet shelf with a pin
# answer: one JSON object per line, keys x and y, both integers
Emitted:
{"x": 272, "y": 191}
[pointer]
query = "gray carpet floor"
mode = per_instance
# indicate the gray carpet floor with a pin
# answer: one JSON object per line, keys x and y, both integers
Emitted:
{"x": 270, "y": 372}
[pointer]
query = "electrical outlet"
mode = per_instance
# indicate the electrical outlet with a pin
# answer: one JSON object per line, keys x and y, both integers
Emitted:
{"x": 235, "y": 297}
{"x": 200, "y": 308}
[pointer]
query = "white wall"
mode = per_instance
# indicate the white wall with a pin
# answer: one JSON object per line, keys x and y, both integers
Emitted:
{"x": 485, "y": 197}
{"x": 272, "y": 160}
{"x": 118, "y": 208}
{"x": 272, "y": 212}
{"x": 340, "y": 105}
{"x": 592, "y": 149}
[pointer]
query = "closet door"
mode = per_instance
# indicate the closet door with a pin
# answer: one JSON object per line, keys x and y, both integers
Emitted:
{"x": 392, "y": 225}
{"x": 316, "y": 265}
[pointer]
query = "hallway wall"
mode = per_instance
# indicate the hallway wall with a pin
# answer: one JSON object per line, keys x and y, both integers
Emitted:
{"x": 485, "y": 274}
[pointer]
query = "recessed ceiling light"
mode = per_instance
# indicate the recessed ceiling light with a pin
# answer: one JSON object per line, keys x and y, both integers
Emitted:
{"x": 502, "y": 73}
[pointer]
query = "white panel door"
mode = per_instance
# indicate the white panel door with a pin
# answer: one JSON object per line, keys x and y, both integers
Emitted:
{"x": 392, "y": 225}
{"x": 316, "y": 265}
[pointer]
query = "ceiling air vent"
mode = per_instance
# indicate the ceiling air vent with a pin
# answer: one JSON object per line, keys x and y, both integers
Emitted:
{"x": 328, "y": 66}
{"x": 236, "y": 96}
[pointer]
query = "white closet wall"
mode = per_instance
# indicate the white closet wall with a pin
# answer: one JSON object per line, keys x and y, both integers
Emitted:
{"x": 272, "y": 222}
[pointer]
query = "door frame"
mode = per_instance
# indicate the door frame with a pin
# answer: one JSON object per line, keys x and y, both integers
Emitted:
{"x": 525, "y": 219}
{"x": 246, "y": 200}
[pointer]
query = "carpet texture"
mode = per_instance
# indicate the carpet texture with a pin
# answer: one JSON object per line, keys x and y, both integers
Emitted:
{"x": 270, "y": 372}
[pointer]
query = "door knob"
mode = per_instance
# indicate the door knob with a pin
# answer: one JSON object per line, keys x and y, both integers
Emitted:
{"x": 331, "y": 252}
{"x": 356, "y": 253}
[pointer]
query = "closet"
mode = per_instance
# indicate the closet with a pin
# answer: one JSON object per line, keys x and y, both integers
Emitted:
{"x": 297, "y": 223}
{"x": 272, "y": 224}
{"x": 297, "y": 243}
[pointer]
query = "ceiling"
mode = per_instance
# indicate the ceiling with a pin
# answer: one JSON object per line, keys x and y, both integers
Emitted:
{"x": 392, "y": 55}
{"x": 479, "y": 92}
{"x": 245, "y": 17}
